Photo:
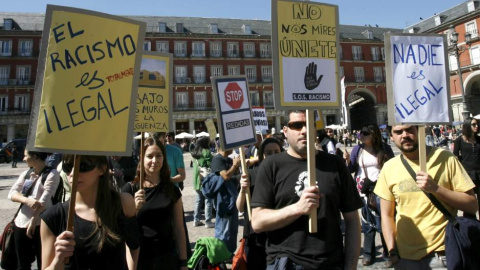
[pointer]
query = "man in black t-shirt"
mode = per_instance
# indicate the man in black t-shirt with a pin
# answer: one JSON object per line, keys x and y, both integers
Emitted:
{"x": 283, "y": 199}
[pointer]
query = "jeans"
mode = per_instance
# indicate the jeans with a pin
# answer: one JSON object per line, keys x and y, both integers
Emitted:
{"x": 198, "y": 203}
{"x": 226, "y": 229}
{"x": 432, "y": 261}
{"x": 429, "y": 139}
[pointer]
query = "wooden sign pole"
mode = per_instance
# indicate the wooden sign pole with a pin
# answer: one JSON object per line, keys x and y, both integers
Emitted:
{"x": 142, "y": 166}
{"x": 312, "y": 170}
{"x": 247, "y": 190}
{"x": 71, "y": 208}
{"x": 422, "y": 148}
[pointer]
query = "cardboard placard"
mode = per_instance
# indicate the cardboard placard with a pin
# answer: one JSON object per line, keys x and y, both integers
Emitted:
{"x": 155, "y": 97}
{"x": 418, "y": 88}
{"x": 304, "y": 52}
{"x": 234, "y": 116}
{"x": 212, "y": 130}
{"x": 84, "y": 101}
{"x": 260, "y": 119}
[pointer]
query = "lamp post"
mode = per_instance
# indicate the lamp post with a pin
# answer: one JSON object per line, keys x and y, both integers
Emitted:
{"x": 458, "y": 51}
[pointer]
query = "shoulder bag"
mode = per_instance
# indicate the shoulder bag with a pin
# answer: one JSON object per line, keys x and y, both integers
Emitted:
{"x": 462, "y": 237}
{"x": 367, "y": 188}
{"x": 202, "y": 171}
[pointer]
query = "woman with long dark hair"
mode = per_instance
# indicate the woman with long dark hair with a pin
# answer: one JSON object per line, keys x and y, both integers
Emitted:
{"x": 467, "y": 149}
{"x": 34, "y": 190}
{"x": 255, "y": 243}
{"x": 202, "y": 157}
{"x": 104, "y": 222}
{"x": 366, "y": 161}
{"x": 159, "y": 212}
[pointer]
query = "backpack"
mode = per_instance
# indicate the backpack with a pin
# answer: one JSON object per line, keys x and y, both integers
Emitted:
{"x": 60, "y": 193}
{"x": 204, "y": 264}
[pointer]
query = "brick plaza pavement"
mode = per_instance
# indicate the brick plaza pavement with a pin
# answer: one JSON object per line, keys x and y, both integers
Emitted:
{"x": 8, "y": 176}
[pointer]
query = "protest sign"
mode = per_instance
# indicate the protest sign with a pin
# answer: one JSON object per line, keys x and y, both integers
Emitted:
{"x": 84, "y": 100}
{"x": 154, "y": 98}
{"x": 418, "y": 88}
{"x": 305, "y": 59}
{"x": 234, "y": 117}
{"x": 260, "y": 119}
{"x": 318, "y": 118}
{"x": 212, "y": 130}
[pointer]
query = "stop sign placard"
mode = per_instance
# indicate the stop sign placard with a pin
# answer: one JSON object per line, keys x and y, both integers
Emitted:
{"x": 234, "y": 95}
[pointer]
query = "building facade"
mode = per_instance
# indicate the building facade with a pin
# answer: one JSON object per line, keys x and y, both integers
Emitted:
{"x": 464, "y": 81}
{"x": 202, "y": 48}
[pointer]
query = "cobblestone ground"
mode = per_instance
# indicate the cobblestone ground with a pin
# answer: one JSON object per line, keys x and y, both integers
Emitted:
{"x": 8, "y": 176}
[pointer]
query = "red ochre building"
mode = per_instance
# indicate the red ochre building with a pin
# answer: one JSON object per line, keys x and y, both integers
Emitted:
{"x": 207, "y": 47}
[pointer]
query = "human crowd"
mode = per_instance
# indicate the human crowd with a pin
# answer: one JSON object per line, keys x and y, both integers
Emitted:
{"x": 120, "y": 223}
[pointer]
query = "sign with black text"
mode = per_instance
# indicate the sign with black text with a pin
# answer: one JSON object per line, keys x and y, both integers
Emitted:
{"x": 260, "y": 119}
{"x": 234, "y": 117}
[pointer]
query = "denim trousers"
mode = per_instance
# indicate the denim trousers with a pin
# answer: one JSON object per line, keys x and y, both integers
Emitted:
{"x": 432, "y": 261}
{"x": 226, "y": 229}
{"x": 198, "y": 205}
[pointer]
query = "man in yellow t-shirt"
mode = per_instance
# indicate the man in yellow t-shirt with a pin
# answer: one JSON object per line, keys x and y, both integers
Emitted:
{"x": 416, "y": 234}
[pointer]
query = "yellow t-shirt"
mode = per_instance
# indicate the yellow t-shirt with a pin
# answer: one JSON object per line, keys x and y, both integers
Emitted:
{"x": 420, "y": 225}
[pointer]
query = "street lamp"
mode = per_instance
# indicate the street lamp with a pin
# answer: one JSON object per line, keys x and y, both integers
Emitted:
{"x": 458, "y": 51}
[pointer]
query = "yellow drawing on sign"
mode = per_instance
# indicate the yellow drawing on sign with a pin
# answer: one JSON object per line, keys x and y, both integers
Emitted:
{"x": 87, "y": 84}
{"x": 153, "y": 106}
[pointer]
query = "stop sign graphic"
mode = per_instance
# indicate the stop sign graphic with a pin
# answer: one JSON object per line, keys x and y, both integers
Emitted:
{"x": 234, "y": 95}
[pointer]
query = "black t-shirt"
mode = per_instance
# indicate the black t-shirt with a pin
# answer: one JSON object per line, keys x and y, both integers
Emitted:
{"x": 85, "y": 255}
{"x": 280, "y": 180}
{"x": 155, "y": 220}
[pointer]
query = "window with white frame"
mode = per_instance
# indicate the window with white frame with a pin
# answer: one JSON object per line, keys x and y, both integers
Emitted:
{"x": 471, "y": 6}
{"x": 182, "y": 100}
{"x": 162, "y": 46}
{"x": 22, "y": 103}
{"x": 198, "y": 49}
{"x": 162, "y": 27}
{"x": 25, "y": 47}
{"x": 23, "y": 74}
{"x": 357, "y": 52}
{"x": 340, "y": 51}
{"x": 247, "y": 29}
{"x": 475, "y": 55}
{"x": 251, "y": 73}
{"x": 180, "y": 48}
{"x": 180, "y": 74}
{"x": 471, "y": 27}
{"x": 268, "y": 100}
{"x": 216, "y": 71}
{"x": 265, "y": 50}
{"x": 377, "y": 74}
{"x": 200, "y": 100}
{"x": 359, "y": 75}
{"x": 254, "y": 98}
{"x": 233, "y": 70}
{"x": 4, "y": 75}
{"x": 199, "y": 74}
{"x": 382, "y": 51}
{"x": 147, "y": 45}
{"x": 376, "y": 54}
{"x": 249, "y": 49}
{"x": 341, "y": 72}
{"x": 213, "y": 28}
{"x": 179, "y": 28}
{"x": 3, "y": 103}
{"x": 449, "y": 36}
{"x": 267, "y": 74}
{"x": 232, "y": 49}
{"x": 452, "y": 61}
{"x": 5, "y": 47}
{"x": 215, "y": 49}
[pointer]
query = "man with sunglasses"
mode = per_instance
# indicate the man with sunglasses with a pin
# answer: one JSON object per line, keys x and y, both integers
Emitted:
{"x": 416, "y": 233}
{"x": 283, "y": 200}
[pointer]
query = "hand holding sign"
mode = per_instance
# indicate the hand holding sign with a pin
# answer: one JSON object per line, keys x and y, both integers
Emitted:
{"x": 311, "y": 81}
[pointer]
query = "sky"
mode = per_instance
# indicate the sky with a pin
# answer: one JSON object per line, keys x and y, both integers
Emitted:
{"x": 384, "y": 13}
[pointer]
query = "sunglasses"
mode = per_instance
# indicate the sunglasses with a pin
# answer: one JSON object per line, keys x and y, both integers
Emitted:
{"x": 297, "y": 125}
{"x": 474, "y": 125}
{"x": 85, "y": 166}
{"x": 365, "y": 133}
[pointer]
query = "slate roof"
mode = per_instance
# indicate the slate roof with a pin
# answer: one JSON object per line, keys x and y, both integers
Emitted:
{"x": 34, "y": 22}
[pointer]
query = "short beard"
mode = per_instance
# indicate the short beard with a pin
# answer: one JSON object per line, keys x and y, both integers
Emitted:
{"x": 413, "y": 149}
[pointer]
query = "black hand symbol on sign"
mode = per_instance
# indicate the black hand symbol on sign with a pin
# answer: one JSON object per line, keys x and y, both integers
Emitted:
{"x": 311, "y": 81}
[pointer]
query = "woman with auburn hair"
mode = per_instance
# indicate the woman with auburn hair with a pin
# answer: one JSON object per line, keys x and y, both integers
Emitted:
{"x": 159, "y": 212}
{"x": 104, "y": 222}
{"x": 467, "y": 149}
{"x": 366, "y": 161}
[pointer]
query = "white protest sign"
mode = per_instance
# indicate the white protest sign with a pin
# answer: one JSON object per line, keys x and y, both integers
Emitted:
{"x": 417, "y": 84}
{"x": 235, "y": 123}
{"x": 260, "y": 118}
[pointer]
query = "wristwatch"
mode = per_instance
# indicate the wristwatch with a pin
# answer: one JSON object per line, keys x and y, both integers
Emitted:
{"x": 392, "y": 253}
